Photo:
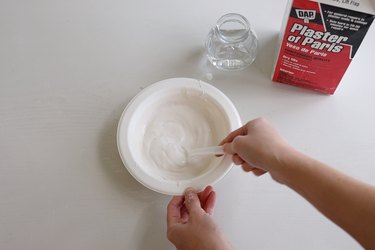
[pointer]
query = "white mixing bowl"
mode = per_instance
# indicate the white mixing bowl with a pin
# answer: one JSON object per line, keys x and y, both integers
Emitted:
{"x": 204, "y": 99}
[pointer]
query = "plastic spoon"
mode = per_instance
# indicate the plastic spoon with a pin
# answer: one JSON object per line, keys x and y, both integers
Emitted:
{"x": 216, "y": 150}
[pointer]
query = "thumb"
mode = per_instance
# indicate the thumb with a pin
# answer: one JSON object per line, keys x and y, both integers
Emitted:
{"x": 234, "y": 146}
{"x": 192, "y": 202}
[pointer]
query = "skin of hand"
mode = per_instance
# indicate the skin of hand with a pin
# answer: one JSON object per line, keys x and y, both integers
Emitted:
{"x": 257, "y": 147}
{"x": 346, "y": 201}
{"x": 190, "y": 224}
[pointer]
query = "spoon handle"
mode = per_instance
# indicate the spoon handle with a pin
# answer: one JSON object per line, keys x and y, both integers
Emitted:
{"x": 216, "y": 150}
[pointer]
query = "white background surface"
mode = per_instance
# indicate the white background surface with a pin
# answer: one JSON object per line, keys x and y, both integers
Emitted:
{"x": 68, "y": 69}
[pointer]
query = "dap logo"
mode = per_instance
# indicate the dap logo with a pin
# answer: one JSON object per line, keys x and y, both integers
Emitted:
{"x": 306, "y": 15}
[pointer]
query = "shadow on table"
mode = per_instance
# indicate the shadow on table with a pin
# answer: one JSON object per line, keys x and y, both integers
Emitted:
{"x": 150, "y": 232}
{"x": 111, "y": 162}
{"x": 194, "y": 63}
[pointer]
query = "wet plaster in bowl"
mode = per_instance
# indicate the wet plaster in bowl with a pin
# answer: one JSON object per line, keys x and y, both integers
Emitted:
{"x": 166, "y": 120}
{"x": 184, "y": 120}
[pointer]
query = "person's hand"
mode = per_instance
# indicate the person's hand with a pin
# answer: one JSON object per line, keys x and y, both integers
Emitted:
{"x": 190, "y": 223}
{"x": 257, "y": 147}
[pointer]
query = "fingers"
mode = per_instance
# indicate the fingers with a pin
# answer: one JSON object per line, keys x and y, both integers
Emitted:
{"x": 256, "y": 171}
{"x": 203, "y": 196}
{"x": 210, "y": 203}
{"x": 180, "y": 207}
{"x": 247, "y": 167}
{"x": 192, "y": 202}
{"x": 184, "y": 215}
{"x": 237, "y": 159}
{"x": 234, "y": 146}
{"x": 240, "y": 131}
{"x": 230, "y": 147}
{"x": 208, "y": 199}
{"x": 259, "y": 172}
{"x": 174, "y": 210}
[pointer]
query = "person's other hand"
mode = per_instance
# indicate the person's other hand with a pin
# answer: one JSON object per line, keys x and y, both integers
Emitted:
{"x": 257, "y": 147}
{"x": 190, "y": 223}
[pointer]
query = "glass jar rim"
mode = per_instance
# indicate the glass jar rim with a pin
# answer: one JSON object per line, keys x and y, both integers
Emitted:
{"x": 233, "y": 18}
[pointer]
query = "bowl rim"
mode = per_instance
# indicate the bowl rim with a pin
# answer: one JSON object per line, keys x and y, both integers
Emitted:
{"x": 170, "y": 187}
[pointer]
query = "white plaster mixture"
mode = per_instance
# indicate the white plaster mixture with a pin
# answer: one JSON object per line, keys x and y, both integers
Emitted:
{"x": 176, "y": 124}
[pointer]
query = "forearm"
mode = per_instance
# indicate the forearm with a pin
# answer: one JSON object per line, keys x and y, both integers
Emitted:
{"x": 346, "y": 201}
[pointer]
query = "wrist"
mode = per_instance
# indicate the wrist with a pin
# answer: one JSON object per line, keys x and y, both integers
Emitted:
{"x": 285, "y": 163}
{"x": 221, "y": 244}
{"x": 215, "y": 241}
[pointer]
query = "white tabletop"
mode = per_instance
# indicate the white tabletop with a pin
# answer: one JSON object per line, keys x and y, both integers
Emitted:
{"x": 67, "y": 71}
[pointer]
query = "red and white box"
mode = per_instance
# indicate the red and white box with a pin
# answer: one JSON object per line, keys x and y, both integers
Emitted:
{"x": 318, "y": 41}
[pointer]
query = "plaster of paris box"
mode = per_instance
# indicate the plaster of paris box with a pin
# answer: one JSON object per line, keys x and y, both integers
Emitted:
{"x": 318, "y": 41}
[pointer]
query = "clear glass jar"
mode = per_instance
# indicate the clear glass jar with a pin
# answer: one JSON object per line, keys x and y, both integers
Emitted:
{"x": 231, "y": 44}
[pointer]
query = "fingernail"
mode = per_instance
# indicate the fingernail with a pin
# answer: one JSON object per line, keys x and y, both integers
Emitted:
{"x": 190, "y": 196}
{"x": 189, "y": 193}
